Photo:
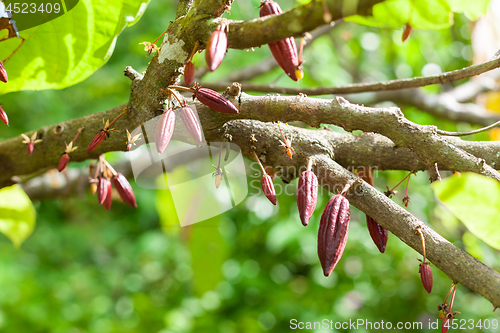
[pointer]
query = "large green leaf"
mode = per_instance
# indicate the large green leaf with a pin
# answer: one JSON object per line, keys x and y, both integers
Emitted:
{"x": 474, "y": 200}
{"x": 17, "y": 214}
{"x": 422, "y": 14}
{"x": 472, "y": 9}
{"x": 70, "y": 48}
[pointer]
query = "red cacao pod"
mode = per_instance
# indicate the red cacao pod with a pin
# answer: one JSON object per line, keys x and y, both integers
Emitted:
{"x": 268, "y": 187}
{"x": 406, "y": 32}
{"x": 446, "y": 325}
{"x": 332, "y": 233}
{"x": 192, "y": 123}
{"x": 378, "y": 233}
{"x": 284, "y": 51}
{"x": 3, "y": 73}
{"x": 307, "y": 195}
{"x": 63, "y": 162}
{"x": 109, "y": 197}
{"x": 426, "y": 276}
{"x": 102, "y": 189}
{"x": 216, "y": 49}
{"x": 164, "y": 130}
{"x": 124, "y": 189}
{"x": 189, "y": 73}
{"x": 214, "y": 100}
{"x": 97, "y": 140}
{"x": 3, "y": 116}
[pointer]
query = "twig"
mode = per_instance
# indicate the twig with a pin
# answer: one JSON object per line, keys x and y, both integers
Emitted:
{"x": 415, "y": 82}
{"x": 470, "y": 132}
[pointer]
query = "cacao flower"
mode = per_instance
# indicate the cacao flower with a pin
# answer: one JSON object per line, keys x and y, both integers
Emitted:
{"x": 124, "y": 189}
{"x": 31, "y": 141}
{"x": 109, "y": 197}
{"x": 426, "y": 276}
{"x": 102, "y": 189}
{"x": 307, "y": 195}
{"x": 216, "y": 49}
{"x": 192, "y": 123}
{"x": 284, "y": 51}
{"x": 3, "y": 73}
{"x": 268, "y": 188}
{"x": 164, "y": 130}
{"x": 378, "y": 233}
{"x": 214, "y": 100}
{"x": 3, "y": 116}
{"x": 97, "y": 140}
{"x": 189, "y": 73}
{"x": 332, "y": 233}
{"x": 63, "y": 162}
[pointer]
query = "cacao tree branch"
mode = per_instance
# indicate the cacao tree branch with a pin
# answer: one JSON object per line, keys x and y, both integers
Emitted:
{"x": 183, "y": 7}
{"x": 414, "y": 82}
{"x": 350, "y": 151}
{"x": 294, "y": 22}
{"x": 457, "y": 264}
{"x": 440, "y": 105}
{"x": 390, "y": 122}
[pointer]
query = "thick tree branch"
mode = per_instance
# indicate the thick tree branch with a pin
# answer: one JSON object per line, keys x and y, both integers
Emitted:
{"x": 295, "y": 22}
{"x": 350, "y": 151}
{"x": 390, "y": 122}
{"x": 457, "y": 264}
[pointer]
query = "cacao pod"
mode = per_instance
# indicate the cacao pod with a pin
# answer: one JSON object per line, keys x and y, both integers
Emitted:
{"x": 332, "y": 233}
{"x": 214, "y": 100}
{"x": 285, "y": 50}
{"x": 268, "y": 187}
{"x": 97, "y": 140}
{"x": 189, "y": 73}
{"x": 109, "y": 197}
{"x": 164, "y": 130}
{"x": 102, "y": 190}
{"x": 378, "y": 233}
{"x": 307, "y": 195}
{"x": 192, "y": 123}
{"x": 216, "y": 49}
{"x": 426, "y": 276}
{"x": 3, "y": 116}
{"x": 124, "y": 189}
{"x": 63, "y": 162}
{"x": 3, "y": 73}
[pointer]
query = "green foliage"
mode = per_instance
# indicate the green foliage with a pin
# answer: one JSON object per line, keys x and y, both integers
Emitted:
{"x": 67, "y": 50}
{"x": 17, "y": 214}
{"x": 421, "y": 14}
{"x": 474, "y": 200}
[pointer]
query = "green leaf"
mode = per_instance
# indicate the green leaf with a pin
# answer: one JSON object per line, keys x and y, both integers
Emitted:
{"x": 17, "y": 214}
{"x": 472, "y": 9}
{"x": 421, "y": 14}
{"x": 474, "y": 200}
{"x": 68, "y": 49}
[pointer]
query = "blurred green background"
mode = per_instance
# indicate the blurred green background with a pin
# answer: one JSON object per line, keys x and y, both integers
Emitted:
{"x": 254, "y": 268}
